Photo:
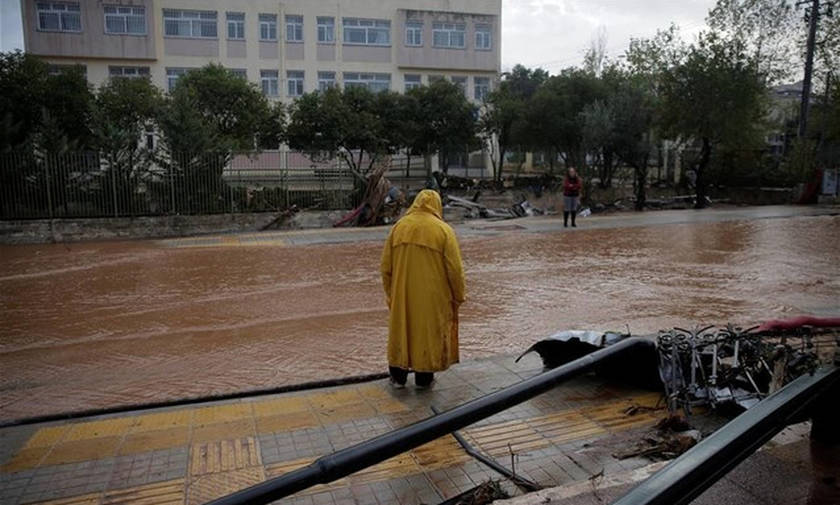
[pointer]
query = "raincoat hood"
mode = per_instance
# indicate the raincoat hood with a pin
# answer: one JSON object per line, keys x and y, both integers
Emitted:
{"x": 427, "y": 201}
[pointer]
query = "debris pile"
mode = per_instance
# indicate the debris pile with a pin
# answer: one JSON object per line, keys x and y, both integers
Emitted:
{"x": 671, "y": 437}
{"x": 476, "y": 210}
{"x": 483, "y": 494}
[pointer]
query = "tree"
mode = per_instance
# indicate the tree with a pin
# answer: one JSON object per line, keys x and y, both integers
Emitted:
{"x": 447, "y": 120}
{"x": 716, "y": 96}
{"x": 347, "y": 123}
{"x": 503, "y": 108}
{"x": 123, "y": 109}
{"x": 211, "y": 114}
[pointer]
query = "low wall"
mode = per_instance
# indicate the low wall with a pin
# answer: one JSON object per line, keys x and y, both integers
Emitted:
{"x": 40, "y": 231}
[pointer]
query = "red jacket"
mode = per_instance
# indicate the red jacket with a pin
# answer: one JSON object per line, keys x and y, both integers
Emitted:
{"x": 571, "y": 187}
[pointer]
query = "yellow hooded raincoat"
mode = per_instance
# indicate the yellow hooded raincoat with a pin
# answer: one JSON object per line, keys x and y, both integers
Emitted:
{"x": 424, "y": 286}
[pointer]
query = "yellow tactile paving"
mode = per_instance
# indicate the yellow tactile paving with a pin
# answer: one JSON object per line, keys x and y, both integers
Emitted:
{"x": 222, "y": 431}
{"x": 281, "y": 406}
{"x": 85, "y": 499}
{"x": 47, "y": 437}
{"x": 441, "y": 453}
{"x": 82, "y": 450}
{"x": 100, "y": 429}
{"x": 222, "y": 413}
{"x": 25, "y": 459}
{"x": 286, "y": 422}
{"x": 207, "y": 487}
{"x": 398, "y": 466}
{"x": 163, "y": 420}
{"x": 341, "y": 413}
{"x": 155, "y": 439}
{"x": 170, "y": 492}
{"x": 332, "y": 399}
{"x": 224, "y": 456}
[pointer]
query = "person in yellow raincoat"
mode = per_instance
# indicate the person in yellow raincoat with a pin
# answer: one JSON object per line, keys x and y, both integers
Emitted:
{"x": 424, "y": 286}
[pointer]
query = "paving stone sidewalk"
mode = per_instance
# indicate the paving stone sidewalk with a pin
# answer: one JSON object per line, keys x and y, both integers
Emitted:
{"x": 190, "y": 455}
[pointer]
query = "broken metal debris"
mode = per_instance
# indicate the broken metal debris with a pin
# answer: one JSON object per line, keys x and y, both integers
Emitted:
{"x": 476, "y": 210}
{"x": 705, "y": 366}
{"x": 482, "y": 494}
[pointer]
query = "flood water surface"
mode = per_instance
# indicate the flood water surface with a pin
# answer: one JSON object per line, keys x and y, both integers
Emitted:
{"x": 95, "y": 325}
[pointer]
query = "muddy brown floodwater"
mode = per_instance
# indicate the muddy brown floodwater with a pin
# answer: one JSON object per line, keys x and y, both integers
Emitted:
{"x": 103, "y": 324}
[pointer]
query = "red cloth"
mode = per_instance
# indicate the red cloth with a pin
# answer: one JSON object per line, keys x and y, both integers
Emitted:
{"x": 796, "y": 322}
{"x": 571, "y": 187}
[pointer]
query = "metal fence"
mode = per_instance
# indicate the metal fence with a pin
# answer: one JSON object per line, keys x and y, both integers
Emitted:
{"x": 95, "y": 184}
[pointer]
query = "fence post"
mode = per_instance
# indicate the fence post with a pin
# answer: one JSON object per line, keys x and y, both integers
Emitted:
{"x": 114, "y": 188}
{"x": 49, "y": 186}
{"x": 171, "y": 189}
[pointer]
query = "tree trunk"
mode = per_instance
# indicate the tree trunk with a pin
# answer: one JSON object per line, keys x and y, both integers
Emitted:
{"x": 501, "y": 167}
{"x": 606, "y": 177}
{"x": 700, "y": 184}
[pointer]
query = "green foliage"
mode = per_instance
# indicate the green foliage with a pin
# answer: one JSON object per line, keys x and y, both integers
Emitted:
{"x": 48, "y": 112}
{"x": 717, "y": 96}
{"x": 446, "y": 120}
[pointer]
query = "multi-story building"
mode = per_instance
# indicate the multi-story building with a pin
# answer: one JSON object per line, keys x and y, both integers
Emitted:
{"x": 287, "y": 47}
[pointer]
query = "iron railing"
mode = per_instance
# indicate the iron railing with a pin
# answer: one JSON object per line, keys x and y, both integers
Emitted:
{"x": 97, "y": 184}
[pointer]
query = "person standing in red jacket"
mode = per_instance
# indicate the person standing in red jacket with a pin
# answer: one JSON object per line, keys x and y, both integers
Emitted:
{"x": 572, "y": 185}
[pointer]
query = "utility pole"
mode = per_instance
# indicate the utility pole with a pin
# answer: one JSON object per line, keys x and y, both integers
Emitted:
{"x": 813, "y": 16}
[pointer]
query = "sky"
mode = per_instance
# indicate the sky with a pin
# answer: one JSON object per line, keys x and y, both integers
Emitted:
{"x": 552, "y": 34}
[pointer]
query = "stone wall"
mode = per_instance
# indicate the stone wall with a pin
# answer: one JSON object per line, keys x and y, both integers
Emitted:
{"x": 75, "y": 230}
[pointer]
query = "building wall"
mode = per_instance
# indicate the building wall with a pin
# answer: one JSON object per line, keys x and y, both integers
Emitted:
{"x": 98, "y": 51}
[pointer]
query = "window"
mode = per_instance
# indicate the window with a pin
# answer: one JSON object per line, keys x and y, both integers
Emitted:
{"x": 240, "y": 72}
{"x": 132, "y": 72}
{"x": 190, "y": 24}
{"x": 294, "y": 28}
{"x": 414, "y": 34}
{"x": 373, "y": 82}
{"x": 435, "y": 78}
{"x": 294, "y": 82}
{"x": 129, "y": 20}
{"x": 482, "y": 87}
{"x": 369, "y": 32}
{"x": 326, "y": 80}
{"x": 450, "y": 35}
{"x": 412, "y": 81}
{"x": 461, "y": 81}
{"x": 172, "y": 75}
{"x": 54, "y": 69}
{"x": 236, "y": 25}
{"x": 326, "y": 30}
{"x": 269, "y": 82}
{"x": 59, "y": 16}
{"x": 268, "y": 27}
{"x": 482, "y": 37}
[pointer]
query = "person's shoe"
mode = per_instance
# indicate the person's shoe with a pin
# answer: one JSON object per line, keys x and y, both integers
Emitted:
{"x": 423, "y": 387}
{"x": 396, "y": 385}
{"x": 574, "y": 225}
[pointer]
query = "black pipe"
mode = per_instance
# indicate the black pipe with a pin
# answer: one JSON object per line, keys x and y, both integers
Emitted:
{"x": 358, "y": 457}
{"x": 685, "y": 478}
{"x": 121, "y": 409}
{"x": 520, "y": 482}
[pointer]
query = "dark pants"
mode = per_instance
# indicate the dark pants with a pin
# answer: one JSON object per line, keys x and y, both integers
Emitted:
{"x": 400, "y": 375}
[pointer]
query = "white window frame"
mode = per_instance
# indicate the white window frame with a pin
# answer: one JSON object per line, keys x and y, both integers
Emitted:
{"x": 326, "y": 80}
{"x": 125, "y": 12}
{"x": 481, "y": 86}
{"x": 294, "y": 83}
{"x": 412, "y": 81}
{"x": 174, "y": 73}
{"x": 62, "y": 12}
{"x": 414, "y": 33}
{"x": 370, "y": 27}
{"x": 237, "y": 24}
{"x": 129, "y": 72}
{"x": 449, "y": 29}
{"x": 270, "y": 82}
{"x": 375, "y": 82}
{"x": 197, "y": 20}
{"x": 294, "y": 28}
{"x": 269, "y": 22}
{"x": 483, "y": 38}
{"x": 462, "y": 81}
{"x": 326, "y": 30}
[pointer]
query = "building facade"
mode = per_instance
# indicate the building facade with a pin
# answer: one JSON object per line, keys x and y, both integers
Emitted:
{"x": 287, "y": 48}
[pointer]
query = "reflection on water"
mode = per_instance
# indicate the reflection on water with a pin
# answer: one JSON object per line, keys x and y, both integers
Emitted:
{"x": 93, "y": 325}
